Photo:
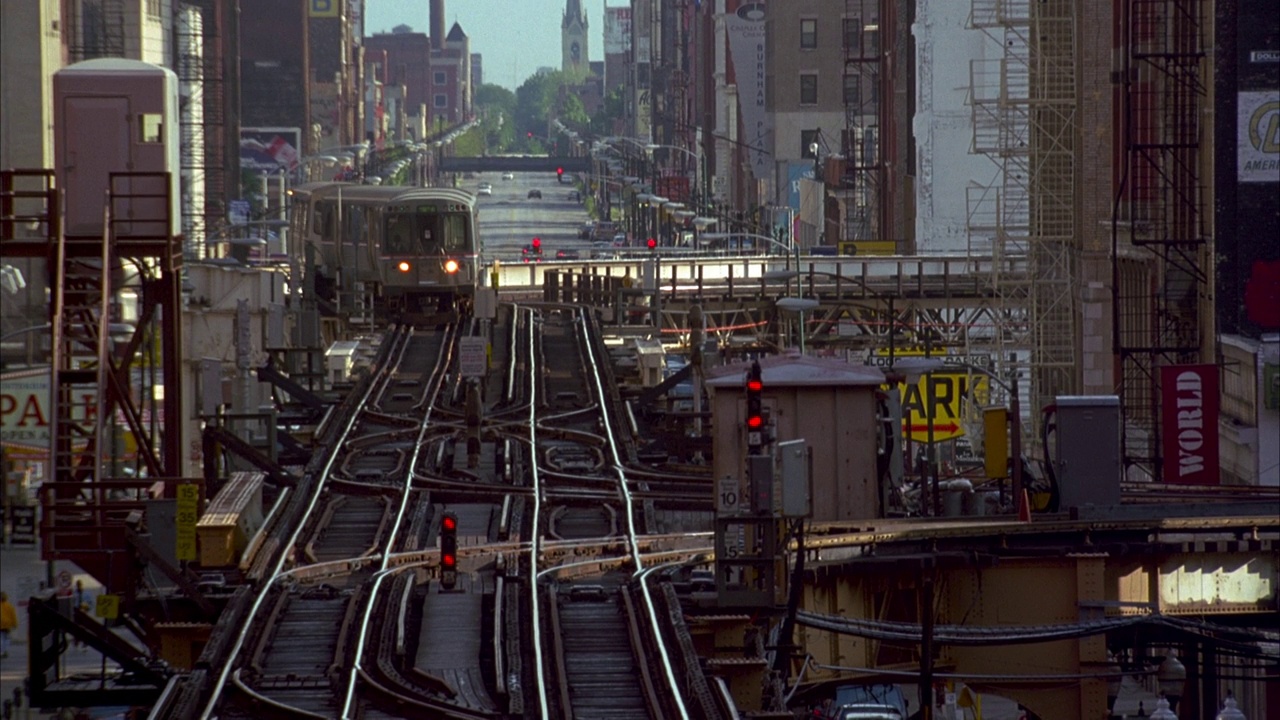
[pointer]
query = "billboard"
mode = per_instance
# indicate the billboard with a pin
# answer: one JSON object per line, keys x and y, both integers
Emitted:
{"x": 746, "y": 31}
{"x": 1189, "y": 420}
{"x": 270, "y": 149}
{"x": 25, "y": 414}
{"x": 1258, "y": 137}
{"x": 617, "y": 30}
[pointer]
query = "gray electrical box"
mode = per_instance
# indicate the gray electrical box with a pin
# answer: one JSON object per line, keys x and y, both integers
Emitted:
{"x": 793, "y": 469}
{"x": 1089, "y": 462}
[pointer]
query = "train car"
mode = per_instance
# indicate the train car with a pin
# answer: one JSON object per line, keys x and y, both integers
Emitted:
{"x": 413, "y": 249}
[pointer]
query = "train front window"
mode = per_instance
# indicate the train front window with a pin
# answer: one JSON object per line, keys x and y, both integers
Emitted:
{"x": 426, "y": 233}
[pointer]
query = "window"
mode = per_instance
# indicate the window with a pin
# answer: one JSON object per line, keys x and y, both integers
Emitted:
{"x": 852, "y": 36}
{"x": 808, "y": 34}
{"x": 852, "y": 90}
{"x": 150, "y": 126}
{"x": 807, "y": 138}
{"x": 438, "y": 78}
{"x": 809, "y": 89}
{"x": 871, "y": 38}
{"x": 440, "y": 100}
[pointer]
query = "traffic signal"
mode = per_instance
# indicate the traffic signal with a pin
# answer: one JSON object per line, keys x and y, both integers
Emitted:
{"x": 537, "y": 243}
{"x": 755, "y": 407}
{"x": 448, "y": 551}
{"x": 559, "y": 174}
{"x": 652, "y": 244}
{"x": 529, "y": 134}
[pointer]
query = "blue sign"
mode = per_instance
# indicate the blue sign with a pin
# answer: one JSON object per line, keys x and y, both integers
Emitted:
{"x": 795, "y": 172}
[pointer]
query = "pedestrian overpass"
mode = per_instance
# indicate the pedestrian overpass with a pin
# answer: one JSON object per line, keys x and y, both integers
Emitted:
{"x": 514, "y": 163}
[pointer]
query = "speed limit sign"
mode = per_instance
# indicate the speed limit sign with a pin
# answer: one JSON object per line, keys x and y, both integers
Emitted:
{"x": 728, "y": 495}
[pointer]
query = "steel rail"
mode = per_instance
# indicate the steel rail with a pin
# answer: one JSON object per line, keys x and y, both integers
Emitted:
{"x": 286, "y": 552}
{"x": 535, "y": 532}
{"x": 437, "y": 382}
{"x": 624, "y": 489}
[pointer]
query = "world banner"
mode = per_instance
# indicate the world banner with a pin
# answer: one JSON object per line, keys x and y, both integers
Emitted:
{"x": 1189, "y": 424}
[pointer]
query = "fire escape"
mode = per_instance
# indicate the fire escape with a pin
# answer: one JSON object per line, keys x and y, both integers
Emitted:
{"x": 1024, "y": 119}
{"x": 95, "y": 29}
{"x": 863, "y": 178}
{"x": 103, "y": 402}
{"x": 1160, "y": 277}
{"x": 202, "y": 64}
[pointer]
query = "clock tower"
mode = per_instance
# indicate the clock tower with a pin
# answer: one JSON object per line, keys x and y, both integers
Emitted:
{"x": 573, "y": 40}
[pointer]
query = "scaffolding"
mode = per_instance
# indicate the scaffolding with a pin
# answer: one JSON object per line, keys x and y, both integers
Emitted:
{"x": 1024, "y": 118}
{"x": 201, "y": 60}
{"x": 1160, "y": 279}
{"x": 862, "y": 183}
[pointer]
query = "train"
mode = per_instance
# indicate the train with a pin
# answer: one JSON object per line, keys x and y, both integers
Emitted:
{"x": 415, "y": 251}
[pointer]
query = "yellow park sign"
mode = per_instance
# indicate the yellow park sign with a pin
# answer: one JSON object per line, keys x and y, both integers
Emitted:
{"x": 938, "y": 399}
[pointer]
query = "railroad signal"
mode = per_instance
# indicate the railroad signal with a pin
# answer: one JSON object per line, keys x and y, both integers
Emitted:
{"x": 448, "y": 551}
{"x": 755, "y": 407}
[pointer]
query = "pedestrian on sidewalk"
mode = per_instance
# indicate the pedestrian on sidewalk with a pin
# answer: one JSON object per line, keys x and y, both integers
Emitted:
{"x": 8, "y": 622}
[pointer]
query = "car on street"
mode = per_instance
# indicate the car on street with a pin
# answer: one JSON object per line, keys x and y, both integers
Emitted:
{"x": 584, "y": 231}
{"x": 535, "y": 194}
{"x": 508, "y": 176}
{"x": 603, "y": 250}
{"x": 567, "y": 254}
{"x": 484, "y": 188}
{"x": 575, "y": 196}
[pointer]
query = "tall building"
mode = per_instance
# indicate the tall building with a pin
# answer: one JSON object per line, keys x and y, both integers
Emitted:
{"x": 406, "y": 57}
{"x": 574, "y": 40}
{"x": 617, "y": 46}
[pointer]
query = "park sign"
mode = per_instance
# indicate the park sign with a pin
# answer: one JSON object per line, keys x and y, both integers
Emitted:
{"x": 27, "y": 412}
{"x": 937, "y": 400}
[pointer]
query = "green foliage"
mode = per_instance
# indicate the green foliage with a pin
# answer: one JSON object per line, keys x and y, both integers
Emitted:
{"x": 605, "y": 119}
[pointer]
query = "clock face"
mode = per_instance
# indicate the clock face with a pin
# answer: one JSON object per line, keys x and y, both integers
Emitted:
{"x": 574, "y": 50}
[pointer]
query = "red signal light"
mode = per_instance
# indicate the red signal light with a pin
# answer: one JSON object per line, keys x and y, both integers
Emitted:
{"x": 449, "y": 522}
{"x": 755, "y": 422}
{"x": 652, "y": 243}
{"x": 755, "y": 385}
{"x": 559, "y": 171}
{"x": 449, "y": 560}
{"x": 537, "y": 243}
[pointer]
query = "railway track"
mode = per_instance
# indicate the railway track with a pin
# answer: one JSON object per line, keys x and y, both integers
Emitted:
{"x": 347, "y": 616}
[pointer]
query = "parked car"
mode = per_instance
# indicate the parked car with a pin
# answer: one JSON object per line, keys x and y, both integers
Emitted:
{"x": 870, "y": 702}
{"x": 575, "y": 196}
{"x": 508, "y": 176}
{"x": 535, "y": 194}
{"x": 567, "y": 254}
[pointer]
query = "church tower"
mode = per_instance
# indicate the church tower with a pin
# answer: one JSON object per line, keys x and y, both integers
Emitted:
{"x": 573, "y": 40}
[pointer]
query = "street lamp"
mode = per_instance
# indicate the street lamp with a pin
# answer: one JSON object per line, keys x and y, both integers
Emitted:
{"x": 697, "y": 160}
{"x": 1172, "y": 676}
{"x": 786, "y": 249}
{"x": 1229, "y": 709}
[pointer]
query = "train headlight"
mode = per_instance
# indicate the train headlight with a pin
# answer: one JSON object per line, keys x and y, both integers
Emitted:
{"x": 451, "y": 266}
{"x": 403, "y": 265}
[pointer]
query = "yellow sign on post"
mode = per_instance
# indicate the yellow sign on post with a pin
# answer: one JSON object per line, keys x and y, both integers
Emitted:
{"x": 995, "y": 442}
{"x": 107, "y": 606}
{"x": 188, "y": 514}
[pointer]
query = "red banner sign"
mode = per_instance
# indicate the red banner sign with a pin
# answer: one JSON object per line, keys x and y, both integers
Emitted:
{"x": 1189, "y": 395}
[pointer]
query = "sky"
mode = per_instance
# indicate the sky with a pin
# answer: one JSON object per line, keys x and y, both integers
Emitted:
{"x": 515, "y": 37}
